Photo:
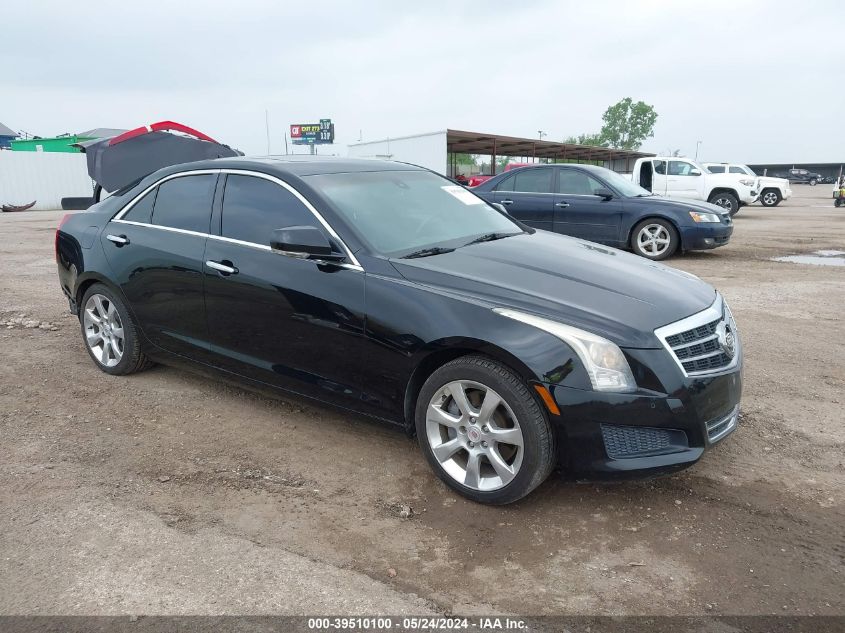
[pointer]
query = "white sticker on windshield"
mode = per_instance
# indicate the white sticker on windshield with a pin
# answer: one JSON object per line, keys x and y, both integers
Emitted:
{"x": 462, "y": 194}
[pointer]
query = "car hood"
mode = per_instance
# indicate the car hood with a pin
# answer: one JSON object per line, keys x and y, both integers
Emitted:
{"x": 774, "y": 180}
{"x": 687, "y": 204}
{"x": 600, "y": 289}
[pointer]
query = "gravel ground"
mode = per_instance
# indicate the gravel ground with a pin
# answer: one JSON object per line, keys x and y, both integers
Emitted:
{"x": 171, "y": 493}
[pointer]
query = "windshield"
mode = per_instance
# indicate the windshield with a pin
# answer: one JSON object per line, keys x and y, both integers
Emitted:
{"x": 398, "y": 212}
{"x": 623, "y": 185}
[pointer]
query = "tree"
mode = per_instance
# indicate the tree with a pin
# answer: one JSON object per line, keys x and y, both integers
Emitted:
{"x": 628, "y": 124}
{"x": 587, "y": 139}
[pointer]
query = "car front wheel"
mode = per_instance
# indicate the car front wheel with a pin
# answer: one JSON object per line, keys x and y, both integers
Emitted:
{"x": 770, "y": 198}
{"x": 654, "y": 239}
{"x": 483, "y": 432}
{"x": 726, "y": 201}
{"x": 110, "y": 335}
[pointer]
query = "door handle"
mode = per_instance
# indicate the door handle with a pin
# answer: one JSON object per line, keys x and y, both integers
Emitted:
{"x": 561, "y": 205}
{"x": 225, "y": 269}
{"x": 119, "y": 240}
{"x": 505, "y": 202}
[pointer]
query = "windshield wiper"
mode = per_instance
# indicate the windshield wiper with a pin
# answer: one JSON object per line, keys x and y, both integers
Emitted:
{"x": 426, "y": 252}
{"x": 489, "y": 237}
{"x": 644, "y": 195}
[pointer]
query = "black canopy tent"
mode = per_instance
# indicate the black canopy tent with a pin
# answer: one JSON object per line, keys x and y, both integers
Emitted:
{"x": 120, "y": 160}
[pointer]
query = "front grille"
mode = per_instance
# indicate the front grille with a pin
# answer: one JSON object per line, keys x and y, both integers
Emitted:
{"x": 695, "y": 341}
{"x": 639, "y": 441}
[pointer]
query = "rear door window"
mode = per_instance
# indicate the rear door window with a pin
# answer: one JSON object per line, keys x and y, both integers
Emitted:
{"x": 254, "y": 207}
{"x": 534, "y": 180}
{"x": 185, "y": 203}
{"x": 716, "y": 169}
{"x": 505, "y": 185}
{"x": 142, "y": 210}
{"x": 679, "y": 168}
{"x": 737, "y": 170}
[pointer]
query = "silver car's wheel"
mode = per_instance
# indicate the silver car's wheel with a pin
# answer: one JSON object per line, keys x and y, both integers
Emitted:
{"x": 103, "y": 330}
{"x": 654, "y": 240}
{"x": 474, "y": 435}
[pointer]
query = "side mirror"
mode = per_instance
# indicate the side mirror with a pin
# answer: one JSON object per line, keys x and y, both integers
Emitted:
{"x": 603, "y": 192}
{"x": 694, "y": 172}
{"x": 303, "y": 242}
{"x": 500, "y": 207}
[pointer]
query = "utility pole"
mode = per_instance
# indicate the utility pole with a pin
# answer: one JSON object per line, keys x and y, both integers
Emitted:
{"x": 267, "y": 126}
{"x": 541, "y": 134}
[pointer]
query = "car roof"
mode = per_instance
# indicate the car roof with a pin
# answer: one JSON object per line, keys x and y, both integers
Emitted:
{"x": 296, "y": 165}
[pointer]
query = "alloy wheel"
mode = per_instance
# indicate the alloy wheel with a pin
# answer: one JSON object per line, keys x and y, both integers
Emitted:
{"x": 653, "y": 239}
{"x": 725, "y": 203}
{"x": 103, "y": 330}
{"x": 474, "y": 435}
{"x": 770, "y": 198}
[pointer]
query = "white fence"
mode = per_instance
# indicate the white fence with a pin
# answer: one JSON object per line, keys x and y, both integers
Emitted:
{"x": 45, "y": 177}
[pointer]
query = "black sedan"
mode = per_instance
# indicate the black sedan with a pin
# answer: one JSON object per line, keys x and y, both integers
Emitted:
{"x": 599, "y": 205}
{"x": 391, "y": 292}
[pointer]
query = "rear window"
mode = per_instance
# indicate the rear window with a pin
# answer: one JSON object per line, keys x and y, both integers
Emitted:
{"x": 185, "y": 203}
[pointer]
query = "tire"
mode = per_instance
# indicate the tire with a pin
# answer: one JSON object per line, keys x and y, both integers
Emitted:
{"x": 102, "y": 319}
{"x": 449, "y": 439}
{"x": 770, "y": 198}
{"x": 837, "y": 202}
{"x": 726, "y": 201}
{"x": 647, "y": 239}
{"x": 813, "y": 182}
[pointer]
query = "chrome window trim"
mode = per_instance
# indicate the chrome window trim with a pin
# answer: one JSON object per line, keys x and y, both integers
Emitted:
{"x": 717, "y": 310}
{"x": 353, "y": 265}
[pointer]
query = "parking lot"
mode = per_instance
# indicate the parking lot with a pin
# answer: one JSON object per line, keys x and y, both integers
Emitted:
{"x": 168, "y": 492}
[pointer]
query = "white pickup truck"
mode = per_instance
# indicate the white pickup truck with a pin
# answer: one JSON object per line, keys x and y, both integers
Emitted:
{"x": 684, "y": 178}
{"x": 772, "y": 190}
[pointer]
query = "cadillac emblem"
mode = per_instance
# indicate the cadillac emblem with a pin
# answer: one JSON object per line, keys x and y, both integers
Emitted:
{"x": 727, "y": 339}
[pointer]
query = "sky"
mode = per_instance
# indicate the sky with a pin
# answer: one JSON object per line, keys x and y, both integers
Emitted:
{"x": 754, "y": 82}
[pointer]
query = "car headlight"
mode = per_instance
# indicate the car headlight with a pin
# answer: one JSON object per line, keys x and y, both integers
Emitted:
{"x": 748, "y": 182}
{"x": 604, "y": 361}
{"x": 698, "y": 216}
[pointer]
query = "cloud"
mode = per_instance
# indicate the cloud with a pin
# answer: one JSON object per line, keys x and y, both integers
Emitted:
{"x": 754, "y": 81}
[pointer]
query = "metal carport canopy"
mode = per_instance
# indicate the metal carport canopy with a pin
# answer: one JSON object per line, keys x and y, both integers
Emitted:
{"x": 462, "y": 142}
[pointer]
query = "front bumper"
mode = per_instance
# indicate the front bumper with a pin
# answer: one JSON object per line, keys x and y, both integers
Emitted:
{"x": 606, "y": 436}
{"x": 703, "y": 237}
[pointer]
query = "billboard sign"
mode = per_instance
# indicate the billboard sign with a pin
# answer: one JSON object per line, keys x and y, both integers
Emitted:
{"x": 321, "y": 133}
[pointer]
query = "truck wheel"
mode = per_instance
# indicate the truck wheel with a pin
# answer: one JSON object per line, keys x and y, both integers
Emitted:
{"x": 770, "y": 198}
{"x": 654, "y": 239}
{"x": 726, "y": 201}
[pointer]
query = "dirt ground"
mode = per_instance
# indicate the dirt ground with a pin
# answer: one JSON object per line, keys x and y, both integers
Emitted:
{"x": 166, "y": 492}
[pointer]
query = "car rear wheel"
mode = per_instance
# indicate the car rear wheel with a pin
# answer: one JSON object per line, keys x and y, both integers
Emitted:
{"x": 654, "y": 239}
{"x": 770, "y": 198}
{"x": 726, "y": 201}
{"x": 483, "y": 432}
{"x": 110, "y": 335}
